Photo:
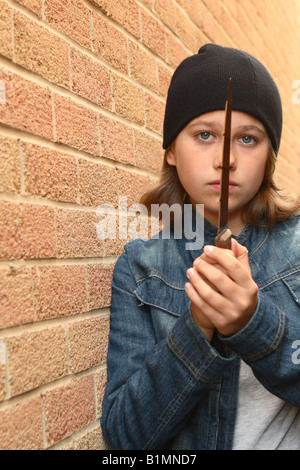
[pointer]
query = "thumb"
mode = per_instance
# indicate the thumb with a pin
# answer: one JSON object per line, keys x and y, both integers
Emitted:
{"x": 241, "y": 253}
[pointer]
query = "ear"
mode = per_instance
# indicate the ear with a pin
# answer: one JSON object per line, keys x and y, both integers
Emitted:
{"x": 171, "y": 158}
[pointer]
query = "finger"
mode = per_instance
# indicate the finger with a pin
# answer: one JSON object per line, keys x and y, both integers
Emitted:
{"x": 209, "y": 297}
{"x": 236, "y": 270}
{"x": 217, "y": 277}
{"x": 208, "y": 259}
{"x": 241, "y": 253}
{"x": 200, "y": 317}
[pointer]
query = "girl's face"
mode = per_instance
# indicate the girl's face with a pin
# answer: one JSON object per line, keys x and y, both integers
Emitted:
{"x": 197, "y": 155}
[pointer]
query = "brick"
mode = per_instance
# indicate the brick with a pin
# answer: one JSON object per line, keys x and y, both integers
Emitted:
{"x": 288, "y": 170}
{"x": 114, "y": 246}
{"x": 153, "y": 34}
{"x": 16, "y": 297}
{"x": 76, "y": 125}
{"x": 147, "y": 3}
{"x": 167, "y": 12}
{"x": 33, "y": 5}
{"x": 28, "y": 106}
{"x": 88, "y": 341}
{"x": 110, "y": 43}
{"x": 224, "y": 18}
{"x": 129, "y": 100}
{"x": 98, "y": 184}
{"x": 99, "y": 282}
{"x": 68, "y": 409}
{"x": 92, "y": 440}
{"x": 186, "y": 30}
{"x": 129, "y": 224}
{"x": 72, "y": 17}
{"x": 76, "y": 234}
{"x": 193, "y": 9}
{"x": 148, "y": 152}
{"x": 126, "y": 13}
{"x": 6, "y": 47}
{"x": 164, "y": 78}
{"x": 59, "y": 291}
{"x": 46, "y": 359}
{"x": 176, "y": 52}
{"x": 90, "y": 79}
{"x": 143, "y": 67}
{"x": 27, "y": 231}
{"x": 10, "y": 179}
{"x": 155, "y": 110}
{"x": 103, "y": 4}
{"x": 100, "y": 381}
{"x": 21, "y": 426}
{"x": 116, "y": 140}
{"x": 132, "y": 186}
{"x": 49, "y": 173}
{"x": 2, "y": 382}
{"x": 41, "y": 51}
{"x": 3, "y": 389}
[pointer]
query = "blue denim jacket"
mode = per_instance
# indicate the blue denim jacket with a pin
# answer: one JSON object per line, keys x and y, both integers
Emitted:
{"x": 168, "y": 388}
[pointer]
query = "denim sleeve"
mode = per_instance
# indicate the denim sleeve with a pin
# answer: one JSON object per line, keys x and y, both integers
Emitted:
{"x": 266, "y": 344}
{"x": 152, "y": 387}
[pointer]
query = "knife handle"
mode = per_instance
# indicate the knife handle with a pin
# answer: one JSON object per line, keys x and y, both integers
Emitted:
{"x": 223, "y": 239}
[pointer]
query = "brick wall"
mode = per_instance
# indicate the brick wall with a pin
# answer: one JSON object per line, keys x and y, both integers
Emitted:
{"x": 81, "y": 119}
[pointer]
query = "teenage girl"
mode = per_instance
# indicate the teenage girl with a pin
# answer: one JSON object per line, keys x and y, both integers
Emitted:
{"x": 204, "y": 349}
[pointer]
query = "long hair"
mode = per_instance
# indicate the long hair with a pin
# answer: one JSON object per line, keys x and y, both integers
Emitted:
{"x": 266, "y": 208}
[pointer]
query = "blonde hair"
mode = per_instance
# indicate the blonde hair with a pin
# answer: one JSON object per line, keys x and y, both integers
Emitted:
{"x": 266, "y": 208}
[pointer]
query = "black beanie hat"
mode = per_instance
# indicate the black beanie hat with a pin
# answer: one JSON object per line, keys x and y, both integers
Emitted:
{"x": 200, "y": 83}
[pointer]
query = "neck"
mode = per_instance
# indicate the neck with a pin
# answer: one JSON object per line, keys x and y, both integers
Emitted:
{"x": 235, "y": 223}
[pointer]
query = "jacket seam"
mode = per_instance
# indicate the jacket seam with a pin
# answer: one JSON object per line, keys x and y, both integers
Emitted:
{"x": 186, "y": 361}
{"x": 271, "y": 347}
{"x": 280, "y": 276}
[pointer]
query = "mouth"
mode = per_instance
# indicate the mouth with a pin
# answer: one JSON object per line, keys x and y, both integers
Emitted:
{"x": 216, "y": 185}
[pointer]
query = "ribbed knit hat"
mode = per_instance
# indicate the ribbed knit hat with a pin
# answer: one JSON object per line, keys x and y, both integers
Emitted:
{"x": 200, "y": 83}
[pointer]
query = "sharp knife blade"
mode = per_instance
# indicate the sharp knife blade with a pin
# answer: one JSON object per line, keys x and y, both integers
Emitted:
{"x": 223, "y": 239}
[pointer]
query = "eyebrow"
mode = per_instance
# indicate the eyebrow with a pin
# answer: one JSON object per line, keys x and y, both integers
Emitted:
{"x": 207, "y": 124}
{"x": 216, "y": 124}
{"x": 251, "y": 127}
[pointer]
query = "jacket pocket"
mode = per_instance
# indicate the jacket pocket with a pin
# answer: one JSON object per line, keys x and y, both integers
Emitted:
{"x": 283, "y": 288}
{"x": 165, "y": 302}
{"x": 292, "y": 282}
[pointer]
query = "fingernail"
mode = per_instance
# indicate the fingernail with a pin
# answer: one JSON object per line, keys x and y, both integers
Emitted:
{"x": 190, "y": 272}
{"x": 188, "y": 286}
{"x": 208, "y": 248}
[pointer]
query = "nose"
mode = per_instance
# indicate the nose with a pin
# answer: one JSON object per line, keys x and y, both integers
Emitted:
{"x": 219, "y": 156}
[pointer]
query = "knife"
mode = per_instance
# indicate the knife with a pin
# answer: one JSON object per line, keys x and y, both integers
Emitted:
{"x": 223, "y": 238}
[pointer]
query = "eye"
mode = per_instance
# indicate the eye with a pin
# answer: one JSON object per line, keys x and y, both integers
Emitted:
{"x": 248, "y": 140}
{"x": 204, "y": 136}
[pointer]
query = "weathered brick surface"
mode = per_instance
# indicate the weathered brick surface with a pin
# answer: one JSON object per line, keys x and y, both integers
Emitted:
{"x": 41, "y": 51}
{"x": 27, "y": 231}
{"x": 59, "y": 291}
{"x": 46, "y": 359}
{"x": 94, "y": 181}
{"x": 49, "y": 173}
{"x": 10, "y": 172}
{"x": 88, "y": 341}
{"x": 76, "y": 125}
{"x": 27, "y": 106}
{"x": 72, "y": 17}
{"x": 76, "y": 234}
{"x": 69, "y": 408}
{"x": 83, "y": 85}
{"x": 6, "y": 45}
{"x": 21, "y": 426}
{"x": 16, "y": 296}
{"x": 90, "y": 79}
